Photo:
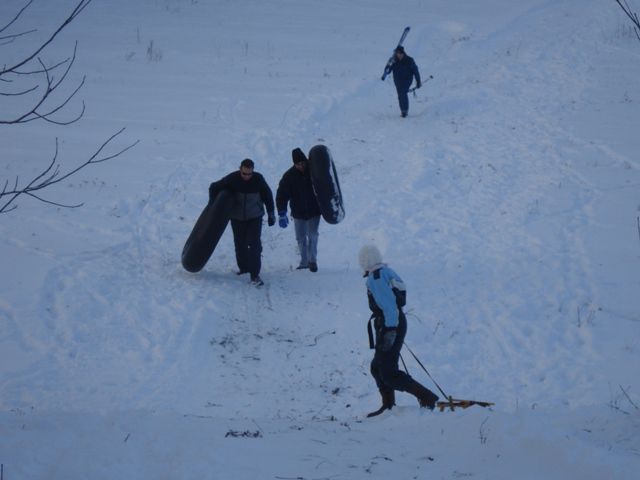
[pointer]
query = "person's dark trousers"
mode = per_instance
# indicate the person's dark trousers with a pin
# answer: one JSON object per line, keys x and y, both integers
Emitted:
{"x": 384, "y": 366}
{"x": 246, "y": 237}
{"x": 403, "y": 99}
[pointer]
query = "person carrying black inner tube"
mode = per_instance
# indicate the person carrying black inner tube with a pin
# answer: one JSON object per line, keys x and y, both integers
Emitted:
{"x": 296, "y": 189}
{"x": 251, "y": 194}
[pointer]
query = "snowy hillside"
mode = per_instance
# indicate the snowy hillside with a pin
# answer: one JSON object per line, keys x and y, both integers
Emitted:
{"x": 508, "y": 201}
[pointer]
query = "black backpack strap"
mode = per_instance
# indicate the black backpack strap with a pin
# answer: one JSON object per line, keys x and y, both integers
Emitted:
{"x": 372, "y": 344}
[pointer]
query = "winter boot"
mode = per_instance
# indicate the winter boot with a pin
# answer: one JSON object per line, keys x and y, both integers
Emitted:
{"x": 426, "y": 397}
{"x": 388, "y": 398}
{"x": 388, "y": 401}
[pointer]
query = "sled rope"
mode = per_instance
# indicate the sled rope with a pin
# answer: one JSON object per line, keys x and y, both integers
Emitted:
{"x": 404, "y": 364}
{"x": 426, "y": 371}
{"x": 450, "y": 403}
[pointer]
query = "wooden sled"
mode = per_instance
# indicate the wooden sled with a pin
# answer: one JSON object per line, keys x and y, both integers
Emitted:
{"x": 453, "y": 403}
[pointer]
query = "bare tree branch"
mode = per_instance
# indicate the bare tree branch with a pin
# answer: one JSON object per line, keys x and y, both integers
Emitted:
{"x": 33, "y": 113}
{"x": 51, "y": 175}
{"x": 632, "y": 15}
{"x": 40, "y": 109}
{"x": 15, "y": 19}
{"x": 76, "y": 11}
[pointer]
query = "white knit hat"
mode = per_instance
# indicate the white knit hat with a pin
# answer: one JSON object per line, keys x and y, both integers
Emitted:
{"x": 369, "y": 257}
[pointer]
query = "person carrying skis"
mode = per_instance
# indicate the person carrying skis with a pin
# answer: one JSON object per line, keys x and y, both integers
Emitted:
{"x": 251, "y": 195}
{"x": 296, "y": 189}
{"x": 404, "y": 70}
{"x": 387, "y": 295}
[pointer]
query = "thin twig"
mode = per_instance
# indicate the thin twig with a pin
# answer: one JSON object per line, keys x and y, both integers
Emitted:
{"x": 579, "y": 320}
{"x": 315, "y": 341}
{"x": 628, "y": 397}
{"x": 632, "y": 15}
{"x": 18, "y": 94}
{"x": 15, "y": 19}
{"x": 319, "y": 336}
{"x": 51, "y": 175}
{"x": 50, "y": 69}
{"x": 482, "y": 434}
{"x": 55, "y": 204}
{"x": 409, "y": 313}
{"x": 11, "y": 38}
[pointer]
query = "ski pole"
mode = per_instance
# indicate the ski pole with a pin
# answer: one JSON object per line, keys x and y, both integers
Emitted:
{"x": 413, "y": 90}
{"x": 426, "y": 371}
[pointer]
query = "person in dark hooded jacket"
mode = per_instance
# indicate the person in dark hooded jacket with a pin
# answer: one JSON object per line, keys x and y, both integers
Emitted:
{"x": 404, "y": 71}
{"x": 296, "y": 189}
{"x": 251, "y": 194}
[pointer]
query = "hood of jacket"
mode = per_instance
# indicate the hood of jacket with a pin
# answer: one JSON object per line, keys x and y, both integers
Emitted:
{"x": 370, "y": 258}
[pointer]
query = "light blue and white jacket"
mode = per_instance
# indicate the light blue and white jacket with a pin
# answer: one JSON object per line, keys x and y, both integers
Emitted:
{"x": 381, "y": 281}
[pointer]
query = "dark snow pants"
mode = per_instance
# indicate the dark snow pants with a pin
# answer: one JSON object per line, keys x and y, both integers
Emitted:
{"x": 246, "y": 238}
{"x": 403, "y": 98}
{"x": 384, "y": 366}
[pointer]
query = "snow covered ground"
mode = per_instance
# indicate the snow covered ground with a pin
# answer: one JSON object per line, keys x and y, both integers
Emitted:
{"x": 507, "y": 200}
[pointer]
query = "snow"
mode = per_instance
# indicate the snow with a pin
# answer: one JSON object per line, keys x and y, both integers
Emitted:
{"x": 507, "y": 201}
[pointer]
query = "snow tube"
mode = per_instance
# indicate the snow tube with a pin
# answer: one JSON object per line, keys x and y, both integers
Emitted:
{"x": 325, "y": 184}
{"x": 207, "y": 232}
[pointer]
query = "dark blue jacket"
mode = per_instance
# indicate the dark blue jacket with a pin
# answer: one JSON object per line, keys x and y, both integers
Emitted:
{"x": 403, "y": 72}
{"x": 296, "y": 188}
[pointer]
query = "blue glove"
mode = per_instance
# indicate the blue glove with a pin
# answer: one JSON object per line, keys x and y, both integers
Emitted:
{"x": 388, "y": 339}
{"x": 271, "y": 220}
{"x": 283, "y": 221}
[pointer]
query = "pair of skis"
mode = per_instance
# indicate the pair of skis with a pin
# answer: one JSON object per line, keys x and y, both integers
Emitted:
{"x": 392, "y": 58}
